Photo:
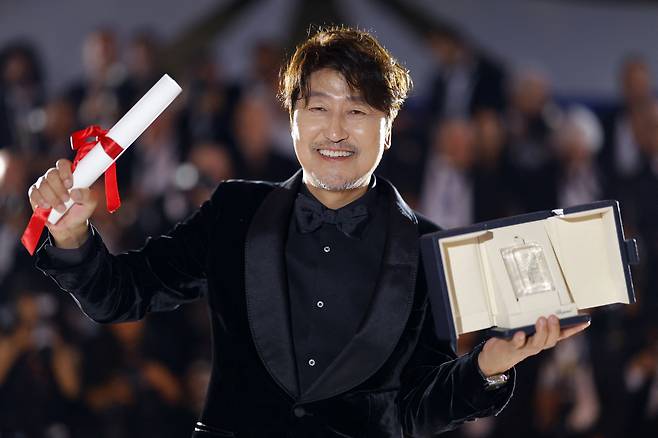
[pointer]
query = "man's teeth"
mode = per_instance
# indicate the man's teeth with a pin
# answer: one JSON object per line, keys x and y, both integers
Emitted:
{"x": 335, "y": 154}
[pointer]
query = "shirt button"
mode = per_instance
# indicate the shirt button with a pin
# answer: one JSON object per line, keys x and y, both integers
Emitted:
{"x": 320, "y": 304}
{"x": 299, "y": 412}
{"x": 327, "y": 248}
{"x": 311, "y": 362}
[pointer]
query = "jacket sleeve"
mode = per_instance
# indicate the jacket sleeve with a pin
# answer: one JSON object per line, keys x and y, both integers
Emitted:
{"x": 440, "y": 391}
{"x": 168, "y": 271}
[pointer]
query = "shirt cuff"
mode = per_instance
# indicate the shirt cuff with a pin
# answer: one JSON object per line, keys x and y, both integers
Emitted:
{"x": 66, "y": 258}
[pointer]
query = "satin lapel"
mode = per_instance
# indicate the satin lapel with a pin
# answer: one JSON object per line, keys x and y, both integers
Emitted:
{"x": 388, "y": 312}
{"x": 266, "y": 285}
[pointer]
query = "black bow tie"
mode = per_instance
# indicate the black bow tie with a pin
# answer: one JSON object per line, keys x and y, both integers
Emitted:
{"x": 311, "y": 215}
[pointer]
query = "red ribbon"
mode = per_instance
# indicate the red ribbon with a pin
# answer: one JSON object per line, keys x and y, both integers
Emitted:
{"x": 82, "y": 142}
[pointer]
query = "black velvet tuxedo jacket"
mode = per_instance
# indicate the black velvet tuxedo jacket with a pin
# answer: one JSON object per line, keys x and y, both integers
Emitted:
{"x": 394, "y": 377}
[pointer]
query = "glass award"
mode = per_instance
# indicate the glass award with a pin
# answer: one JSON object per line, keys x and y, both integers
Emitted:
{"x": 527, "y": 269}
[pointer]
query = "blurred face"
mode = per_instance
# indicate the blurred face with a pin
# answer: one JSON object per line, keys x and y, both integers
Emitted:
{"x": 142, "y": 59}
{"x": 60, "y": 119}
{"x": 455, "y": 141}
{"x": 99, "y": 52}
{"x": 636, "y": 82}
{"x": 531, "y": 93}
{"x": 252, "y": 126}
{"x": 339, "y": 139}
{"x": 572, "y": 144}
{"x": 17, "y": 69}
{"x": 490, "y": 135}
{"x": 447, "y": 50}
{"x": 213, "y": 161}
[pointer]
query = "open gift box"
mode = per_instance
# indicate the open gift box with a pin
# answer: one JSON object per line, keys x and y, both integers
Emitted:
{"x": 506, "y": 273}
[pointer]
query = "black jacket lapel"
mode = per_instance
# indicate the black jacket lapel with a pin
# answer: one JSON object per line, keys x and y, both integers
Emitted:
{"x": 266, "y": 284}
{"x": 388, "y": 312}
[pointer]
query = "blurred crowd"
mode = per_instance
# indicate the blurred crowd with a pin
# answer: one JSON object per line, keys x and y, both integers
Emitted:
{"x": 487, "y": 141}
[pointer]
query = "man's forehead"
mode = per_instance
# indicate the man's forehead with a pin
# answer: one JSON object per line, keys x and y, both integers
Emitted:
{"x": 328, "y": 82}
{"x": 353, "y": 96}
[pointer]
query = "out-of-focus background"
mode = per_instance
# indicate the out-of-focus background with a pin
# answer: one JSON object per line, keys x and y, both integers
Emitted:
{"x": 519, "y": 105}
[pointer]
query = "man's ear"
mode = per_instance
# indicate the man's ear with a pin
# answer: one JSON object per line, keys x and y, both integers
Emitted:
{"x": 387, "y": 142}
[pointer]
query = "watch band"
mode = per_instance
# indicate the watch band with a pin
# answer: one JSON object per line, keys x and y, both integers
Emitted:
{"x": 495, "y": 381}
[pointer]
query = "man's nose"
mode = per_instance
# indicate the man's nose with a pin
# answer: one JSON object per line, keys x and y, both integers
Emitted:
{"x": 335, "y": 130}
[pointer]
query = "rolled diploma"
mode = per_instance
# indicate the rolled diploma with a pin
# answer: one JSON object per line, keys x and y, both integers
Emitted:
{"x": 124, "y": 133}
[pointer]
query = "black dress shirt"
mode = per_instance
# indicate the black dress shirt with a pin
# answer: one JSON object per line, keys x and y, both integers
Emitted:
{"x": 331, "y": 278}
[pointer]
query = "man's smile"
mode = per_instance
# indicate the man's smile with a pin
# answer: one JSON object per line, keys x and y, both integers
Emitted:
{"x": 335, "y": 154}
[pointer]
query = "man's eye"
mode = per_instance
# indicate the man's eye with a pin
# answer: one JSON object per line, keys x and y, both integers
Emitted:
{"x": 316, "y": 109}
{"x": 357, "y": 112}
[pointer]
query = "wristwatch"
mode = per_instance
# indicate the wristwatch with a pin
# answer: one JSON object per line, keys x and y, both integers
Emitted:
{"x": 495, "y": 381}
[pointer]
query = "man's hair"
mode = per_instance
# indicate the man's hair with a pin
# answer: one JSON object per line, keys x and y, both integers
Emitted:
{"x": 364, "y": 63}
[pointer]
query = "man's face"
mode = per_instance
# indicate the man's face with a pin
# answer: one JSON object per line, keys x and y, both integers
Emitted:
{"x": 339, "y": 139}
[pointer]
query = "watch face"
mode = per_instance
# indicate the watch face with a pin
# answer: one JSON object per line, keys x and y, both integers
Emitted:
{"x": 527, "y": 269}
{"x": 496, "y": 381}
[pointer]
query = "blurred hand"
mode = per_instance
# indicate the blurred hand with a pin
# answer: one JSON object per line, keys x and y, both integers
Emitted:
{"x": 499, "y": 355}
{"x": 51, "y": 191}
{"x": 66, "y": 361}
{"x": 22, "y": 339}
{"x": 162, "y": 380}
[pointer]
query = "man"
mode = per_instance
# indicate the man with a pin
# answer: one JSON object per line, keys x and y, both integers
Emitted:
{"x": 319, "y": 309}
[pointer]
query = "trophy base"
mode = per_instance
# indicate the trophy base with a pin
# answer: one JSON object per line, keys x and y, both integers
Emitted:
{"x": 508, "y": 333}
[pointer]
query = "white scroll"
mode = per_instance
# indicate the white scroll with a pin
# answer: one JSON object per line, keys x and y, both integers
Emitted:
{"x": 124, "y": 133}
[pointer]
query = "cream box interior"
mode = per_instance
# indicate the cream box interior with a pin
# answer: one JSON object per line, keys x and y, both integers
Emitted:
{"x": 580, "y": 254}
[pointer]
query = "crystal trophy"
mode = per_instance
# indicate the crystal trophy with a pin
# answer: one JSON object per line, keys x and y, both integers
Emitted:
{"x": 527, "y": 269}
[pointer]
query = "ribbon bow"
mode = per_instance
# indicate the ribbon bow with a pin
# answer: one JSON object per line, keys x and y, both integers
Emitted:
{"x": 311, "y": 215}
{"x": 82, "y": 142}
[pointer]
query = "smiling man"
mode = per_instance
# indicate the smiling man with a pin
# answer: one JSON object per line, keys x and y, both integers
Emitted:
{"x": 320, "y": 316}
{"x": 339, "y": 137}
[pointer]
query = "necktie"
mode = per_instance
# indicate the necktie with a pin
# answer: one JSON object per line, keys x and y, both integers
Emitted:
{"x": 311, "y": 215}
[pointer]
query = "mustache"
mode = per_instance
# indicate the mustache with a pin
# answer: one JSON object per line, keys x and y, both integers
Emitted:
{"x": 342, "y": 145}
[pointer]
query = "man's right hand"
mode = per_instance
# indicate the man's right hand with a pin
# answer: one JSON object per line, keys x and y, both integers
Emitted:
{"x": 51, "y": 191}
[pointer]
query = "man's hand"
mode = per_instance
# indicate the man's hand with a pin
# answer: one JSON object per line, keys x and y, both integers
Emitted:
{"x": 499, "y": 355}
{"x": 51, "y": 191}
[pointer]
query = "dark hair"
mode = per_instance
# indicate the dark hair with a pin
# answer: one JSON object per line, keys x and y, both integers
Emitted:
{"x": 364, "y": 63}
{"x": 26, "y": 50}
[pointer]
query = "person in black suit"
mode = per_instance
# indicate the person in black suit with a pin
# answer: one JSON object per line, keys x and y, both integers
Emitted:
{"x": 320, "y": 316}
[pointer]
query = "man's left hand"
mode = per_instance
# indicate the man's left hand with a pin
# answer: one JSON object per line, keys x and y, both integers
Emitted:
{"x": 499, "y": 355}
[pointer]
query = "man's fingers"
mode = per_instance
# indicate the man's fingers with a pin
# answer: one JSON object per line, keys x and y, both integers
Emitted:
{"x": 36, "y": 200}
{"x": 519, "y": 339}
{"x": 64, "y": 167}
{"x": 538, "y": 340}
{"x": 499, "y": 354}
{"x": 553, "y": 331}
{"x": 48, "y": 194}
{"x": 568, "y": 332}
{"x": 56, "y": 183}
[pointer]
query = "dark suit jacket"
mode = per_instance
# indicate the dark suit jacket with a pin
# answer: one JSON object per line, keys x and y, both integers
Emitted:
{"x": 393, "y": 376}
